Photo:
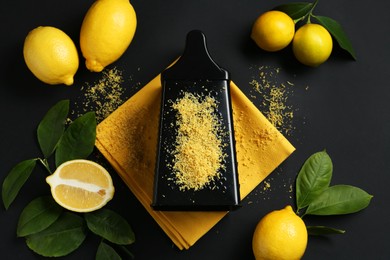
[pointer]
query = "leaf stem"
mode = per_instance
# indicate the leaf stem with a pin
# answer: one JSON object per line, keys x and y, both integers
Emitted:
{"x": 300, "y": 213}
{"x": 124, "y": 249}
{"x": 310, "y": 13}
{"x": 45, "y": 164}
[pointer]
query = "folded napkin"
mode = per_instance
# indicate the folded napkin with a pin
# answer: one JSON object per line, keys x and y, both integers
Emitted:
{"x": 128, "y": 140}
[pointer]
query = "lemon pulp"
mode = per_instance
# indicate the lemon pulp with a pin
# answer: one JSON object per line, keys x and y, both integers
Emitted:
{"x": 81, "y": 185}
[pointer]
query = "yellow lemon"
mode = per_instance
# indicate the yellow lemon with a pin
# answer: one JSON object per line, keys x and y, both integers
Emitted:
{"x": 273, "y": 30}
{"x": 106, "y": 32}
{"x": 81, "y": 185}
{"x": 51, "y": 55}
{"x": 280, "y": 235}
{"x": 312, "y": 44}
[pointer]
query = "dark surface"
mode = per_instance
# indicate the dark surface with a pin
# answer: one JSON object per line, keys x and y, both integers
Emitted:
{"x": 342, "y": 107}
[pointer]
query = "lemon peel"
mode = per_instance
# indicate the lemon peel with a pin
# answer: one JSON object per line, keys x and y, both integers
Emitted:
{"x": 312, "y": 44}
{"x": 280, "y": 234}
{"x": 51, "y": 55}
{"x": 273, "y": 30}
{"x": 106, "y": 32}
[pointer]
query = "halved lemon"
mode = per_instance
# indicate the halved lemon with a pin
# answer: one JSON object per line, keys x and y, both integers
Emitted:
{"x": 81, "y": 185}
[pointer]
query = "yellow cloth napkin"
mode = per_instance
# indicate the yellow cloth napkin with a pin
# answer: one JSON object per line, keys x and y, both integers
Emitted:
{"x": 128, "y": 140}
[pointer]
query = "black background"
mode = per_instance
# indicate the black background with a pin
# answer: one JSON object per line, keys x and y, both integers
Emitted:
{"x": 341, "y": 106}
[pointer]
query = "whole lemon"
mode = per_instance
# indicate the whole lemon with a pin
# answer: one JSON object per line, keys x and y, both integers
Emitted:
{"x": 312, "y": 44}
{"x": 280, "y": 235}
{"x": 51, "y": 55}
{"x": 106, "y": 32}
{"x": 273, "y": 30}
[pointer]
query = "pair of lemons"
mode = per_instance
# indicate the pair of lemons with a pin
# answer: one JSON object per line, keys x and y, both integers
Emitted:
{"x": 274, "y": 30}
{"x": 106, "y": 32}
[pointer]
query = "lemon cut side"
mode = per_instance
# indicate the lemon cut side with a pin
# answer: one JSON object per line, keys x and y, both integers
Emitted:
{"x": 81, "y": 186}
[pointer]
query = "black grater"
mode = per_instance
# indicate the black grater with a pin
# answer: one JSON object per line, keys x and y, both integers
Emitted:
{"x": 196, "y": 74}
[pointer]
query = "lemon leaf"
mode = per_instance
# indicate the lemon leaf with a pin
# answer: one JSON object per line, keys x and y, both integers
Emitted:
{"x": 337, "y": 32}
{"x": 323, "y": 230}
{"x": 15, "y": 180}
{"x": 37, "y": 216}
{"x": 111, "y": 226}
{"x": 62, "y": 237}
{"x": 78, "y": 140}
{"x": 105, "y": 251}
{"x": 296, "y": 10}
{"x": 313, "y": 178}
{"x": 52, "y": 126}
{"x": 339, "y": 200}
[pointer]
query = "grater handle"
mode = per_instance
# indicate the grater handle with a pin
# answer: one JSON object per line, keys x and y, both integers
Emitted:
{"x": 196, "y": 62}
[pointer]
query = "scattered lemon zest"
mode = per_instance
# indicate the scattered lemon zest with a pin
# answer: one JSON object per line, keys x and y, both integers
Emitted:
{"x": 274, "y": 98}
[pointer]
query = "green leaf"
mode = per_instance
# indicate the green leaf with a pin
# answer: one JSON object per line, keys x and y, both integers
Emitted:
{"x": 15, "y": 180}
{"x": 106, "y": 252}
{"x": 313, "y": 178}
{"x": 52, "y": 126}
{"x": 38, "y": 215}
{"x": 78, "y": 140}
{"x": 322, "y": 230}
{"x": 296, "y": 10}
{"x": 61, "y": 238}
{"x": 111, "y": 226}
{"x": 337, "y": 32}
{"x": 338, "y": 200}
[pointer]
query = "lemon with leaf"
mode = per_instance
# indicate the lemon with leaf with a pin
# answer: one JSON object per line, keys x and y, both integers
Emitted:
{"x": 312, "y": 44}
